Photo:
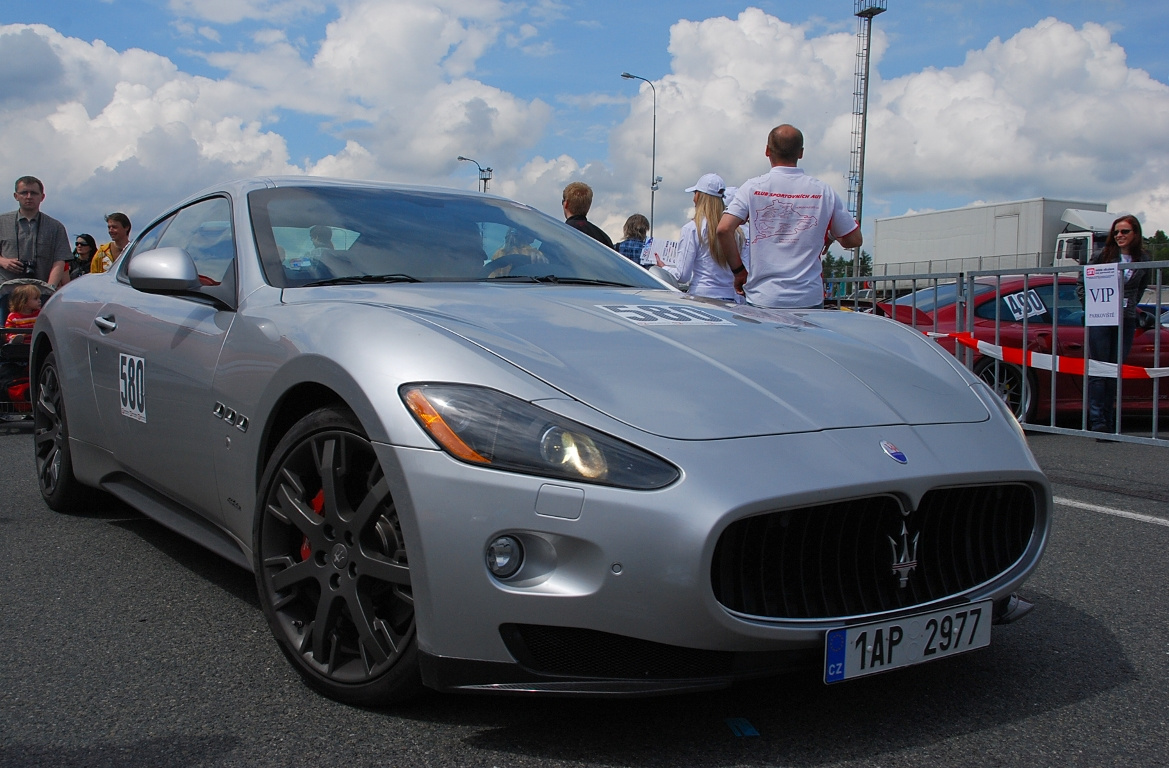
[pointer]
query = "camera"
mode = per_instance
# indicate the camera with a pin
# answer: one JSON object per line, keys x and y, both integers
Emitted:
{"x": 30, "y": 269}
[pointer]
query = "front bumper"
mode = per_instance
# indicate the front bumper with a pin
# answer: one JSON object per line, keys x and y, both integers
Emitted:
{"x": 622, "y": 575}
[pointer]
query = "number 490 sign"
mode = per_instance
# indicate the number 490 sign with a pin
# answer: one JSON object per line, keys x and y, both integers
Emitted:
{"x": 132, "y": 387}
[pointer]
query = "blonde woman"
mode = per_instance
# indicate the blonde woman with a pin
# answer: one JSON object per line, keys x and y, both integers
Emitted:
{"x": 701, "y": 262}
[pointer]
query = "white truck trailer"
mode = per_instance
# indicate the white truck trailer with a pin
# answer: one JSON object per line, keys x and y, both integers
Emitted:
{"x": 1025, "y": 233}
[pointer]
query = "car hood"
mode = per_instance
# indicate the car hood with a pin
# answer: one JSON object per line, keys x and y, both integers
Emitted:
{"x": 687, "y": 368}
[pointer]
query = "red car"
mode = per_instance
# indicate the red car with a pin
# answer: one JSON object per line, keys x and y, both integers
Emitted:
{"x": 935, "y": 309}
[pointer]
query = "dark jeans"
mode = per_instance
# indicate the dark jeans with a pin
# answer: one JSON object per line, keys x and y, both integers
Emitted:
{"x": 1102, "y": 391}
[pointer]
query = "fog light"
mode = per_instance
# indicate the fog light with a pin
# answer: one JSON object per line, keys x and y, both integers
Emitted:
{"x": 505, "y": 555}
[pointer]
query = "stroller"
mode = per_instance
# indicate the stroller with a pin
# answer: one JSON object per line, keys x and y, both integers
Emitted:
{"x": 15, "y": 388}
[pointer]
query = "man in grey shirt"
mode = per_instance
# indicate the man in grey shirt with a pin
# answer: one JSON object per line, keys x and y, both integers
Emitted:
{"x": 29, "y": 237}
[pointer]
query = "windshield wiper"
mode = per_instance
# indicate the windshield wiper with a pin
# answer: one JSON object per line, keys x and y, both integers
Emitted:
{"x": 560, "y": 280}
{"x": 397, "y": 277}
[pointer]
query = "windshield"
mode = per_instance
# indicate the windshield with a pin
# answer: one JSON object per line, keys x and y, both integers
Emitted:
{"x": 943, "y": 295}
{"x": 344, "y": 235}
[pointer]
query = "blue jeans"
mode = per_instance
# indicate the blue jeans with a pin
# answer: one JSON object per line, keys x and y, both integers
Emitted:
{"x": 1102, "y": 391}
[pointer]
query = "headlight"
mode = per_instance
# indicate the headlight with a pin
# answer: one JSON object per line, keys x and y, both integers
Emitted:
{"x": 486, "y": 427}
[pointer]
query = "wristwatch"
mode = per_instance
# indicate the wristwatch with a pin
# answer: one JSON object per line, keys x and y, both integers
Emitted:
{"x": 738, "y": 270}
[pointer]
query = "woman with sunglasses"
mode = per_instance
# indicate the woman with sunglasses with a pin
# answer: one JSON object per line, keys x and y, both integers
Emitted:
{"x": 83, "y": 250}
{"x": 1124, "y": 245}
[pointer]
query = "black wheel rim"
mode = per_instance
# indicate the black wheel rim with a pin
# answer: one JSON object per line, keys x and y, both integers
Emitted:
{"x": 49, "y": 433}
{"x": 1009, "y": 386}
{"x": 334, "y": 564}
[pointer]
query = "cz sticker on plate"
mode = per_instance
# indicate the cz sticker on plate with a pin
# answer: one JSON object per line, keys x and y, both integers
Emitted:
{"x": 865, "y": 649}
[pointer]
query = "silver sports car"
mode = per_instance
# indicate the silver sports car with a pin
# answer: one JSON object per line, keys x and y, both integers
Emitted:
{"x": 462, "y": 445}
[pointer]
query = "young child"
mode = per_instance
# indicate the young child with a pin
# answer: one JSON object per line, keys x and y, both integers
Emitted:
{"x": 24, "y": 305}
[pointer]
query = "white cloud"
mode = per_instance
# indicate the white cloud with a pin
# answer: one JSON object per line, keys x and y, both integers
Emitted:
{"x": 524, "y": 32}
{"x": 389, "y": 77}
{"x": 1053, "y": 111}
{"x": 395, "y": 74}
{"x": 523, "y": 38}
{"x": 233, "y": 11}
{"x": 126, "y": 130}
{"x": 732, "y": 81}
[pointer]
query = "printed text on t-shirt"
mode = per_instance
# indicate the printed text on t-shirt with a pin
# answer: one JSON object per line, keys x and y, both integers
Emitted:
{"x": 762, "y": 193}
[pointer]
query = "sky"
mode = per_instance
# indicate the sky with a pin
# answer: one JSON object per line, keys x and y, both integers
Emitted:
{"x": 132, "y": 105}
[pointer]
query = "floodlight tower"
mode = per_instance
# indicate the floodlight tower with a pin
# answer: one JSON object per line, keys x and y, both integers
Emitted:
{"x": 484, "y": 173}
{"x": 864, "y": 10}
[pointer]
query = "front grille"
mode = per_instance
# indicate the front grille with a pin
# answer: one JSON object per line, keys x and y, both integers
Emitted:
{"x": 837, "y": 560}
{"x": 573, "y": 652}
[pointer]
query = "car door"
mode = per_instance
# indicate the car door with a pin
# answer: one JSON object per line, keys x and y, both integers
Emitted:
{"x": 156, "y": 360}
{"x": 1147, "y": 352}
{"x": 1000, "y": 320}
{"x": 1066, "y": 340}
{"x": 1038, "y": 304}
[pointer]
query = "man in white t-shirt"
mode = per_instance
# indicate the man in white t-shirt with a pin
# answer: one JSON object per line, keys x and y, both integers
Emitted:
{"x": 789, "y": 215}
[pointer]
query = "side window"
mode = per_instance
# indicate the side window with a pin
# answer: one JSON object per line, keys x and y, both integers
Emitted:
{"x": 1012, "y": 307}
{"x": 204, "y": 231}
{"x": 1069, "y": 310}
{"x": 148, "y": 240}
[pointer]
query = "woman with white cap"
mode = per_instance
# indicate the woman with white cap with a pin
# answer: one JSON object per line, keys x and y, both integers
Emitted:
{"x": 701, "y": 262}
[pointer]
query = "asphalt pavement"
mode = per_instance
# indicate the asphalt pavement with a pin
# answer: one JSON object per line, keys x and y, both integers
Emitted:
{"x": 125, "y": 645}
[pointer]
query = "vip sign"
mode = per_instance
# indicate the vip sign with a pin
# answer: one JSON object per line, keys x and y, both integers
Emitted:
{"x": 1102, "y": 294}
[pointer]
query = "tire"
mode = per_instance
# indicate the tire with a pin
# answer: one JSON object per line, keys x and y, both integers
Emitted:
{"x": 1021, "y": 400}
{"x": 59, "y": 487}
{"x": 331, "y": 565}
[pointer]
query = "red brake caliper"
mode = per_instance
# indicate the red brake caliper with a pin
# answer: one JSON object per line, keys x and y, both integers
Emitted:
{"x": 318, "y": 505}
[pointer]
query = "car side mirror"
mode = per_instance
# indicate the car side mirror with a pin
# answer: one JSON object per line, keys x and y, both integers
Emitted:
{"x": 163, "y": 270}
{"x": 1146, "y": 321}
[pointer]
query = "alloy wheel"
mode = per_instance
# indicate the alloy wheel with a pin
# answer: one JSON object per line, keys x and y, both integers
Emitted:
{"x": 332, "y": 565}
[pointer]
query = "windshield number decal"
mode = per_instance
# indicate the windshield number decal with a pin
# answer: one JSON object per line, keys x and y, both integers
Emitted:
{"x": 664, "y": 314}
{"x": 1032, "y": 306}
{"x": 132, "y": 387}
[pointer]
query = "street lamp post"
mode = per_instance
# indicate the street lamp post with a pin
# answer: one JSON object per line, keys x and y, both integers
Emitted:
{"x": 653, "y": 159}
{"x": 484, "y": 173}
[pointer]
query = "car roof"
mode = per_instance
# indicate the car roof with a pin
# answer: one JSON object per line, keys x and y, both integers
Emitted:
{"x": 239, "y": 187}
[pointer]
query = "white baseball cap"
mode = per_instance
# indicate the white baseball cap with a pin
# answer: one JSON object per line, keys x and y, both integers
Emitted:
{"x": 709, "y": 184}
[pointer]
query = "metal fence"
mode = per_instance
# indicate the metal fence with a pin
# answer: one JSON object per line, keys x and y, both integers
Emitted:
{"x": 1020, "y": 330}
{"x": 965, "y": 264}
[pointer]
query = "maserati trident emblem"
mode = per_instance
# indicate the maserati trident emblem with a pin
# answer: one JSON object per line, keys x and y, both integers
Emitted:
{"x": 892, "y": 452}
{"x": 904, "y": 554}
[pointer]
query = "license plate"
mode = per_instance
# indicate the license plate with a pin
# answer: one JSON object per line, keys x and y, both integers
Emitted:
{"x": 852, "y": 652}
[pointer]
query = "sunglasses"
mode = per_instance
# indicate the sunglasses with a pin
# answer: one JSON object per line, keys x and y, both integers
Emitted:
{"x": 1122, "y": 231}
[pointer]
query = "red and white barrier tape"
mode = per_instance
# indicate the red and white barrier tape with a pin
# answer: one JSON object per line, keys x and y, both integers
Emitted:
{"x": 1071, "y": 365}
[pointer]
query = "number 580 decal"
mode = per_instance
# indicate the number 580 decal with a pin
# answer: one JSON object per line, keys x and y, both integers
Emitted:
{"x": 664, "y": 314}
{"x": 132, "y": 386}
